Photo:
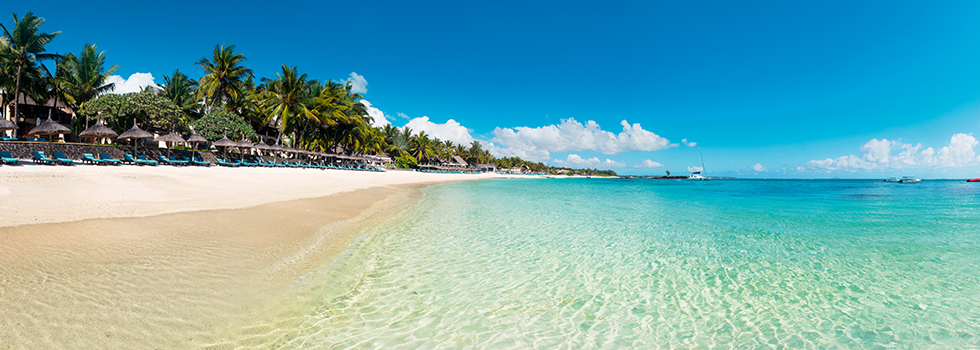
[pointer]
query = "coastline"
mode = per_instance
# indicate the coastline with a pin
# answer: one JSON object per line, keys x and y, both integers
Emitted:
{"x": 172, "y": 280}
{"x": 33, "y": 194}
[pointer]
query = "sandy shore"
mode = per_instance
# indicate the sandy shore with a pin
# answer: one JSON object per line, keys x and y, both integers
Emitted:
{"x": 34, "y": 194}
{"x": 163, "y": 257}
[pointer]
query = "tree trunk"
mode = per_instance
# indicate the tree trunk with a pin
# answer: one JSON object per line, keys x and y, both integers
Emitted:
{"x": 20, "y": 67}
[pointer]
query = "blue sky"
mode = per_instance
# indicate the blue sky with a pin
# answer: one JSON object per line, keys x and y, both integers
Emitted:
{"x": 766, "y": 89}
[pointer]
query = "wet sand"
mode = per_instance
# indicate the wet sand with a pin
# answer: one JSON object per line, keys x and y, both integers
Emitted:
{"x": 176, "y": 280}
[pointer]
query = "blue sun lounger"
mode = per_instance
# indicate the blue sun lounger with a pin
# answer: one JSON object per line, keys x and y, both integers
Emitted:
{"x": 197, "y": 162}
{"x": 61, "y": 159}
{"x": 6, "y": 158}
{"x": 88, "y": 158}
{"x": 109, "y": 160}
{"x": 38, "y": 157}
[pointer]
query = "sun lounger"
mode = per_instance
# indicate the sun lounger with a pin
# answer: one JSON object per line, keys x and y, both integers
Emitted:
{"x": 262, "y": 162}
{"x": 88, "y": 158}
{"x": 247, "y": 163}
{"x": 223, "y": 162}
{"x": 109, "y": 160}
{"x": 196, "y": 162}
{"x": 147, "y": 161}
{"x": 141, "y": 160}
{"x": 6, "y": 158}
{"x": 38, "y": 157}
{"x": 173, "y": 162}
{"x": 61, "y": 159}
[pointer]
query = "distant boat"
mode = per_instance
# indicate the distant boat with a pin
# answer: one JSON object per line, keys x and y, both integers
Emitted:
{"x": 973, "y": 180}
{"x": 909, "y": 180}
{"x": 892, "y": 179}
{"x": 696, "y": 176}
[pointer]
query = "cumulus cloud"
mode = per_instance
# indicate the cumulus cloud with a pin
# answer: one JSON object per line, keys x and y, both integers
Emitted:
{"x": 134, "y": 83}
{"x": 576, "y": 161}
{"x": 570, "y": 135}
{"x": 358, "y": 83}
{"x": 759, "y": 167}
{"x": 380, "y": 118}
{"x": 688, "y": 144}
{"x": 646, "y": 163}
{"x": 879, "y": 154}
{"x": 450, "y": 130}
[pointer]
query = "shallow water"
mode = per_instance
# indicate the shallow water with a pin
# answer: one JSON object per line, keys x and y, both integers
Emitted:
{"x": 605, "y": 263}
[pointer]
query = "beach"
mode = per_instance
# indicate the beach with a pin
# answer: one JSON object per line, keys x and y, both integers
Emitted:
{"x": 141, "y": 257}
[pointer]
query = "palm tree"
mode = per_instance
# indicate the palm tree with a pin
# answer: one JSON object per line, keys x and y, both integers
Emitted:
{"x": 421, "y": 146}
{"x": 224, "y": 75}
{"x": 24, "y": 46}
{"x": 287, "y": 97}
{"x": 180, "y": 89}
{"x": 86, "y": 76}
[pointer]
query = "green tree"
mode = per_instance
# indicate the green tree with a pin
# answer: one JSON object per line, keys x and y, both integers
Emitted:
{"x": 181, "y": 90}
{"x": 85, "y": 75}
{"x": 24, "y": 47}
{"x": 421, "y": 147}
{"x": 288, "y": 97}
{"x": 118, "y": 109}
{"x": 220, "y": 124}
{"x": 223, "y": 77}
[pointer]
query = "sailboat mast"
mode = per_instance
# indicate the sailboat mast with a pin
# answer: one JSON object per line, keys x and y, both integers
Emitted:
{"x": 700, "y": 161}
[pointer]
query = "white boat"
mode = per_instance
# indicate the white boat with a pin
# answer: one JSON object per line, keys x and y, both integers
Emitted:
{"x": 696, "y": 176}
{"x": 909, "y": 180}
{"x": 892, "y": 179}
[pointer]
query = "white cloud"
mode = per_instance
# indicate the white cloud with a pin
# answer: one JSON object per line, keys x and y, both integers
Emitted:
{"x": 135, "y": 82}
{"x": 450, "y": 130}
{"x": 646, "y": 163}
{"x": 358, "y": 83}
{"x": 576, "y": 161}
{"x": 402, "y": 115}
{"x": 694, "y": 168}
{"x": 688, "y": 144}
{"x": 759, "y": 167}
{"x": 537, "y": 143}
{"x": 380, "y": 119}
{"x": 877, "y": 154}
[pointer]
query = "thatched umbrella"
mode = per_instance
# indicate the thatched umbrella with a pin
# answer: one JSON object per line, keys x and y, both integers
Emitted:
{"x": 225, "y": 142}
{"x": 242, "y": 145}
{"x": 195, "y": 139}
{"x": 49, "y": 127}
{"x": 98, "y": 131}
{"x": 7, "y": 125}
{"x": 171, "y": 137}
{"x": 262, "y": 146}
{"x": 134, "y": 133}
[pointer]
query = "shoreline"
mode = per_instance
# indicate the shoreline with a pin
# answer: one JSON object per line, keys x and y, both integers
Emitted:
{"x": 36, "y": 194}
{"x": 174, "y": 280}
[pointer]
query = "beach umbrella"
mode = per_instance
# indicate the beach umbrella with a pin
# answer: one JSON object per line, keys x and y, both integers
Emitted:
{"x": 171, "y": 137}
{"x": 98, "y": 131}
{"x": 195, "y": 139}
{"x": 7, "y": 125}
{"x": 225, "y": 142}
{"x": 49, "y": 127}
{"x": 242, "y": 145}
{"x": 262, "y": 146}
{"x": 134, "y": 134}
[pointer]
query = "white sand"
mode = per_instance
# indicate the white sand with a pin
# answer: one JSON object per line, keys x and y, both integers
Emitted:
{"x": 35, "y": 194}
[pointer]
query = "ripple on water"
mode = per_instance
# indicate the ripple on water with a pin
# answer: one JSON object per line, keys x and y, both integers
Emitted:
{"x": 648, "y": 264}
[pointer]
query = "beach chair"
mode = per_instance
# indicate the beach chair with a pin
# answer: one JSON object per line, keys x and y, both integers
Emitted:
{"x": 128, "y": 158}
{"x": 196, "y": 162}
{"x": 262, "y": 162}
{"x": 223, "y": 162}
{"x": 38, "y": 157}
{"x": 146, "y": 161}
{"x": 6, "y": 158}
{"x": 247, "y": 163}
{"x": 109, "y": 160}
{"x": 88, "y": 158}
{"x": 173, "y": 162}
{"x": 61, "y": 159}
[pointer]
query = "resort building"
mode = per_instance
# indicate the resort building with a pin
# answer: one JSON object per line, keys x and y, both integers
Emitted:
{"x": 33, "y": 114}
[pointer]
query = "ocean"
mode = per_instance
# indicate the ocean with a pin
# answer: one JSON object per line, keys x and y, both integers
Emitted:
{"x": 639, "y": 263}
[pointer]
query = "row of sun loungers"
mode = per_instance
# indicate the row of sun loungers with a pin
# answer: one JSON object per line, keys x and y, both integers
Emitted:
{"x": 59, "y": 158}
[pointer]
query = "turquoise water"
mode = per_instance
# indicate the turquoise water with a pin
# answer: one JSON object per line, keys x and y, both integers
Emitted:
{"x": 606, "y": 263}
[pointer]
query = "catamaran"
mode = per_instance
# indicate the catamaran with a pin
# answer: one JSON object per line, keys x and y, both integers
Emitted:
{"x": 696, "y": 176}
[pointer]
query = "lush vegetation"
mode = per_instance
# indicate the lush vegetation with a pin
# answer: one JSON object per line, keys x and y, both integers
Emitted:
{"x": 291, "y": 108}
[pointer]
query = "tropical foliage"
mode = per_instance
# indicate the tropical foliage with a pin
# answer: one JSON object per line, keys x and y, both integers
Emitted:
{"x": 116, "y": 110}
{"x": 220, "y": 124}
{"x": 290, "y": 109}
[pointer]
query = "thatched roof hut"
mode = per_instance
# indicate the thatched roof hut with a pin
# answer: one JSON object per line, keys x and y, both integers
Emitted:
{"x": 49, "y": 127}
